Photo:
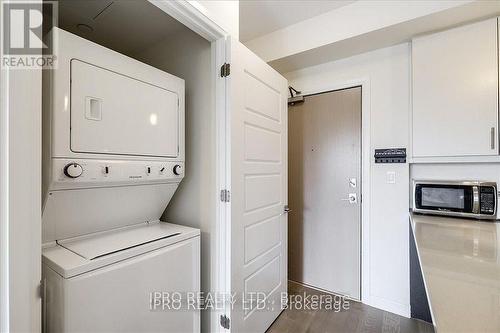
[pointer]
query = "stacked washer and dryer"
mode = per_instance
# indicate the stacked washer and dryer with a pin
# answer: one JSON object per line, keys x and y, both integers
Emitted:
{"x": 113, "y": 158}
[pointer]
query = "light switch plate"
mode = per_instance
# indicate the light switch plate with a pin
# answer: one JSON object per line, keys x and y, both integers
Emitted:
{"x": 391, "y": 177}
{"x": 353, "y": 182}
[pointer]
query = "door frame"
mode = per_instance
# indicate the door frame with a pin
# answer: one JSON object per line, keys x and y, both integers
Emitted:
{"x": 364, "y": 251}
{"x": 20, "y": 197}
{"x": 4, "y": 196}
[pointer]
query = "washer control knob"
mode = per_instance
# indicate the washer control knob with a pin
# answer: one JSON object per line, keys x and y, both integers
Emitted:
{"x": 73, "y": 170}
{"x": 178, "y": 170}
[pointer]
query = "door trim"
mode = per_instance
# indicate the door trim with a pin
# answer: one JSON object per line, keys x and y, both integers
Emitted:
{"x": 4, "y": 195}
{"x": 190, "y": 13}
{"x": 364, "y": 83}
{"x": 21, "y": 137}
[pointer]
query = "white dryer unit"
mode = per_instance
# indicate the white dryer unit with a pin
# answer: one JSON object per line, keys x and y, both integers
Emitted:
{"x": 113, "y": 139}
{"x": 113, "y": 153}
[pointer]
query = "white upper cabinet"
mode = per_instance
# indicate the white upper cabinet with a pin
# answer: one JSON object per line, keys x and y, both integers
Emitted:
{"x": 455, "y": 92}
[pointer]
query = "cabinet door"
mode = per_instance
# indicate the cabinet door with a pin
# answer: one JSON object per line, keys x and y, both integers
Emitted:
{"x": 455, "y": 92}
{"x": 258, "y": 117}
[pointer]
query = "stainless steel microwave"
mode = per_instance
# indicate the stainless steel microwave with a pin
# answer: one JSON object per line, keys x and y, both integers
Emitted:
{"x": 472, "y": 199}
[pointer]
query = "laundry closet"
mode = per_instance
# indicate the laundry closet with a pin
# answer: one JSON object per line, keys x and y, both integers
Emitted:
{"x": 145, "y": 122}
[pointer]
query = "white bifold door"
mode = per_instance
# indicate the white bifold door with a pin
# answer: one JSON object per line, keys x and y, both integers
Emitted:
{"x": 257, "y": 101}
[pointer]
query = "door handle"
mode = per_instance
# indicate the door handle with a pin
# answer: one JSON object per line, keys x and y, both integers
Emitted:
{"x": 352, "y": 198}
{"x": 492, "y": 138}
{"x": 286, "y": 209}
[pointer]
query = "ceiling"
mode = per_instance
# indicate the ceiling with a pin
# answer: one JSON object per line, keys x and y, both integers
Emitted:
{"x": 391, "y": 35}
{"x": 260, "y": 17}
{"x": 124, "y": 26}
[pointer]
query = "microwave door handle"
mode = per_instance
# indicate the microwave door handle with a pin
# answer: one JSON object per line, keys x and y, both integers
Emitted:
{"x": 475, "y": 202}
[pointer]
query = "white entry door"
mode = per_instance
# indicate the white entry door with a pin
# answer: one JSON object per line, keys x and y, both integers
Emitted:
{"x": 257, "y": 101}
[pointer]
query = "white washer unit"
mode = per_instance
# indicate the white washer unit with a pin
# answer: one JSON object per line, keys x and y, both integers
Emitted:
{"x": 113, "y": 158}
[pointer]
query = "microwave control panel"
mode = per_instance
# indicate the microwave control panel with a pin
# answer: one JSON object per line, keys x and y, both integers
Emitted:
{"x": 487, "y": 200}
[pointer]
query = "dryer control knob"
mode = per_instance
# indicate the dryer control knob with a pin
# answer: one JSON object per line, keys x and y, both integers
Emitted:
{"x": 177, "y": 170}
{"x": 73, "y": 170}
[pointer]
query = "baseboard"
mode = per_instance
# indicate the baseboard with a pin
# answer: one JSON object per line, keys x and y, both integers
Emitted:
{"x": 376, "y": 302}
{"x": 390, "y": 306}
{"x": 322, "y": 290}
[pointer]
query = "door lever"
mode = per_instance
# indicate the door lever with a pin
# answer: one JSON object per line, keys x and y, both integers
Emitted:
{"x": 353, "y": 198}
{"x": 286, "y": 209}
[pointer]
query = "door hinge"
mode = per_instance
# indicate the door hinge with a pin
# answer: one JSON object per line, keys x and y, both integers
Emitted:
{"x": 225, "y": 196}
{"x": 42, "y": 289}
{"x": 225, "y": 70}
{"x": 225, "y": 322}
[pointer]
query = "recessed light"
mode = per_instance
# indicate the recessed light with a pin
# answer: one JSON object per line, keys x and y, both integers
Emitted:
{"x": 84, "y": 28}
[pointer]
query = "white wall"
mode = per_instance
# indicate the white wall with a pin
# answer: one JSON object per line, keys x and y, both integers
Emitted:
{"x": 386, "y": 270}
{"x": 188, "y": 56}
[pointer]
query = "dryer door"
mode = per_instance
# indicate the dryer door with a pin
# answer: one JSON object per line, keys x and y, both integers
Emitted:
{"x": 112, "y": 113}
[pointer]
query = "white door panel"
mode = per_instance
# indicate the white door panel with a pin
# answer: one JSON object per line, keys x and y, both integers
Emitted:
{"x": 261, "y": 237}
{"x": 258, "y": 120}
{"x": 262, "y": 144}
{"x": 261, "y": 98}
{"x": 142, "y": 119}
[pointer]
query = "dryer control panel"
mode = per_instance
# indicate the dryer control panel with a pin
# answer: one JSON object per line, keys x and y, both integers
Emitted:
{"x": 81, "y": 173}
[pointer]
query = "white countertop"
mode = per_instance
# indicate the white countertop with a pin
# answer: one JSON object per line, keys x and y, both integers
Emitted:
{"x": 460, "y": 261}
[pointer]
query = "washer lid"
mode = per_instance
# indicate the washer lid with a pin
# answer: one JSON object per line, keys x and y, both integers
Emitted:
{"x": 74, "y": 256}
{"x": 105, "y": 243}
